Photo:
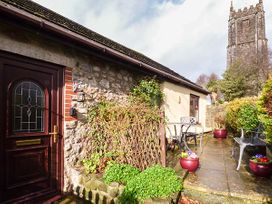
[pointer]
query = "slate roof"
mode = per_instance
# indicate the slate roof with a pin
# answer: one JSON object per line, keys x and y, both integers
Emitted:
{"x": 55, "y": 18}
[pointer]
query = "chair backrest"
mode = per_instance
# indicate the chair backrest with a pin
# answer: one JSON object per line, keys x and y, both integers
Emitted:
{"x": 173, "y": 130}
{"x": 188, "y": 124}
{"x": 257, "y": 133}
{"x": 188, "y": 120}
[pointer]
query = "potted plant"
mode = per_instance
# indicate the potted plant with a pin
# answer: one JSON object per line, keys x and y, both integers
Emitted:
{"x": 220, "y": 130}
{"x": 189, "y": 160}
{"x": 260, "y": 165}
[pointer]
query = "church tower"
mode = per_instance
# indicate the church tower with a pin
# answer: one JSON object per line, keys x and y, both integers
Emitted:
{"x": 246, "y": 35}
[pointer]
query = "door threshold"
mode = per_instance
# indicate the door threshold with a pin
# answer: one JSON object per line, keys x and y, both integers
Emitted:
{"x": 39, "y": 198}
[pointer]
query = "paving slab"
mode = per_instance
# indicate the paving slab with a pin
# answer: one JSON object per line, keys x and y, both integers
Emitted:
{"x": 217, "y": 181}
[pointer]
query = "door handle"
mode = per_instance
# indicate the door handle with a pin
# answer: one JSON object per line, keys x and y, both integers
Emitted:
{"x": 54, "y": 133}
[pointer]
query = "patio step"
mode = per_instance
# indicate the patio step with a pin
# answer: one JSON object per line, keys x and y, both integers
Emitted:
{"x": 207, "y": 196}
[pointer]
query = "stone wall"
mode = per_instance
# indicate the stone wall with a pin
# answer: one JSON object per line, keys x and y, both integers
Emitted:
{"x": 211, "y": 112}
{"x": 92, "y": 188}
{"x": 92, "y": 80}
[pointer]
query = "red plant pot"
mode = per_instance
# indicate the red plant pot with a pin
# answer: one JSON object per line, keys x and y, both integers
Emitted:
{"x": 220, "y": 133}
{"x": 190, "y": 164}
{"x": 263, "y": 170}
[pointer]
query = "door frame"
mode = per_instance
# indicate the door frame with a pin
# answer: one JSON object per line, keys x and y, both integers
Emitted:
{"x": 6, "y": 56}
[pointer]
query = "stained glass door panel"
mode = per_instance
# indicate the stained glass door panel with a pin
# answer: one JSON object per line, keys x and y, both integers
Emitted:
{"x": 28, "y": 107}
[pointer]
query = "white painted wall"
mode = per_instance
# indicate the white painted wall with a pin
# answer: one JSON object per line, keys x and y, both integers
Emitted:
{"x": 177, "y": 103}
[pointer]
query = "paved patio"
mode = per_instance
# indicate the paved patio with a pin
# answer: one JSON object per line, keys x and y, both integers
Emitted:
{"x": 217, "y": 181}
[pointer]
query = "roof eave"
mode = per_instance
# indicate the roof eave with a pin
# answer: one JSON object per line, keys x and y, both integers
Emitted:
{"x": 49, "y": 26}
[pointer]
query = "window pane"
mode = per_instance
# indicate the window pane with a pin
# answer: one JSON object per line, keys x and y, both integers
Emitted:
{"x": 24, "y": 127}
{"x": 24, "y": 114}
{"x": 32, "y": 126}
{"x": 17, "y": 111}
{"x": 28, "y": 107}
{"x": 33, "y": 97}
{"x": 194, "y": 105}
{"x": 17, "y": 123}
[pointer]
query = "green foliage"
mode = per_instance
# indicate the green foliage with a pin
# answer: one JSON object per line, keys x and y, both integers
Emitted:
{"x": 240, "y": 80}
{"x": 232, "y": 110}
{"x": 120, "y": 173}
{"x": 97, "y": 162}
{"x": 92, "y": 163}
{"x": 148, "y": 91}
{"x": 265, "y": 109}
{"x": 232, "y": 87}
{"x": 247, "y": 117}
{"x": 213, "y": 85}
{"x": 154, "y": 182}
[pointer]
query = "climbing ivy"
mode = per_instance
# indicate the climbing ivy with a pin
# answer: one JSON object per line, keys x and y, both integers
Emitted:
{"x": 148, "y": 91}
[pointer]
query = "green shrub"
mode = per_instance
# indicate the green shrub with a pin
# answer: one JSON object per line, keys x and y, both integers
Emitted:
{"x": 154, "y": 182}
{"x": 233, "y": 108}
{"x": 247, "y": 117}
{"x": 265, "y": 109}
{"x": 120, "y": 173}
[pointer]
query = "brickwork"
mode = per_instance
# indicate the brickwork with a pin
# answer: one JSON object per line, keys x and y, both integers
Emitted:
{"x": 69, "y": 94}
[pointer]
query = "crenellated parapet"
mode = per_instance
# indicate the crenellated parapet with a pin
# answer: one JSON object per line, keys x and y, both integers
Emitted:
{"x": 251, "y": 10}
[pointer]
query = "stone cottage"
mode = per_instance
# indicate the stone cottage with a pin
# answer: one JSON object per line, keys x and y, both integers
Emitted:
{"x": 51, "y": 70}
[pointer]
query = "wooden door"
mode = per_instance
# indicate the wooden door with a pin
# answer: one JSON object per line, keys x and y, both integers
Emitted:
{"x": 30, "y": 99}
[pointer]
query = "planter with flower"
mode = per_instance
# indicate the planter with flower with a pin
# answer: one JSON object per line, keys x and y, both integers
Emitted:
{"x": 220, "y": 130}
{"x": 261, "y": 165}
{"x": 189, "y": 160}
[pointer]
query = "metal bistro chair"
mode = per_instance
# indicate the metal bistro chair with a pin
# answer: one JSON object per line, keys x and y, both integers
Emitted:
{"x": 174, "y": 130}
{"x": 254, "y": 139}
{"x": 191, "y": 129}
{"x": 180, "y": 132}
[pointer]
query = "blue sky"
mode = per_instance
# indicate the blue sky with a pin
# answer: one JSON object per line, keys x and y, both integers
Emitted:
{"x": 188, "y": 36}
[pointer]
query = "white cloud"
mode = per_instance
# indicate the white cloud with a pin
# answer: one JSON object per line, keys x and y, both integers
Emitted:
{"x": 188, "y": 36}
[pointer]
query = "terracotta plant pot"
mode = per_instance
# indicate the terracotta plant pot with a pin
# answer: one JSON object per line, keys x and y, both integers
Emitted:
{"x": 262, "y": 170}
{"x": 220, "y": 133}
{"x": 190, "y": 164}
